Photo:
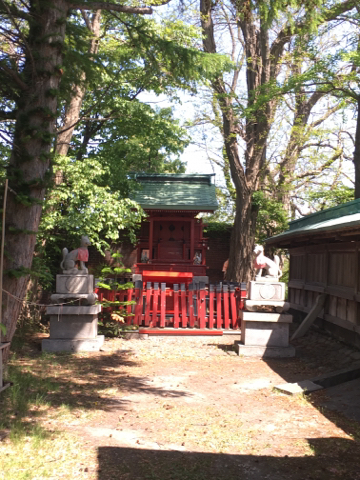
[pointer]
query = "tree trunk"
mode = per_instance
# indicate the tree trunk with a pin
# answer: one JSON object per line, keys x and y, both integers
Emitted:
{"x": 246, "y": 180}
{"x": 29, "y": 166}
{"x": 72, "y": 114}
{"x": 357, "y": 152}
{"x": 242, "y": 240}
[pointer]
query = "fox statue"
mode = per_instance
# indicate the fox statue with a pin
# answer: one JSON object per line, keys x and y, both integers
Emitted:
{"x": 81, "y": 255}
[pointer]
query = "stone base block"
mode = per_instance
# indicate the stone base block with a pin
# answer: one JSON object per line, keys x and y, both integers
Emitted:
{"x": 255, "y": 305}
{"x": 305, "y": 386}
{"x": 78, "y": 345}
{"x": 260, "y": 352}
{"x": 73, "y": 310}
{"x": 73, "y": 326}
{"x": 75, "y": 283}
{"x": 266, "y": 290}
{"x": 84, "y": 298}
{"x": 265, "y": 334}
{"x": 265, "y": 317}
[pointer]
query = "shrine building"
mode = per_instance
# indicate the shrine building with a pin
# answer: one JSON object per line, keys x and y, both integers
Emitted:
{"x": 171, "y": 247}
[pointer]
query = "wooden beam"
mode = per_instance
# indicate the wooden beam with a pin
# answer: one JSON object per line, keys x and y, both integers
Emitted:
{"x": 192, "y": 238}
{"x": 310, "y": 317}
{"x": 151, "y": 238}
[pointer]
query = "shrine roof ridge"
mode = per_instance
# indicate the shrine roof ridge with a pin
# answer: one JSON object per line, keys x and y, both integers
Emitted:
{"x": 337, "y": 218}
{"x": 173, "y": 177}
{"x": 176, "y": 191}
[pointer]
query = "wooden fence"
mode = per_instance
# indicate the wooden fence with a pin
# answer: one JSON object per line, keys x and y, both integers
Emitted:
{"x": 155, "y": 305}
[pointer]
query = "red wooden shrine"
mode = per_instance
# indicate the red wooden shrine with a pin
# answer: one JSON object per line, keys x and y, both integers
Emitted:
{"x": 171, "y": 243}
{"x": 171, "y": 293}
{"x": 171, "y": 246}
{"x": 194, "y": 306}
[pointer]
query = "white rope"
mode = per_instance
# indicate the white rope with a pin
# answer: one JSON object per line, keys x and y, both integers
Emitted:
{"x": 38, "y": 304}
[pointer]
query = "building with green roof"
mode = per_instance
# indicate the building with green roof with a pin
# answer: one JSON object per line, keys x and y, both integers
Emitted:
{"x": 325, "y": 260}
{"x": 171, "y": 237}
{"x": 180, "y": 192}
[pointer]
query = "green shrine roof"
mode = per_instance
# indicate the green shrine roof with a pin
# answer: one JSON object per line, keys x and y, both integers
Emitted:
{"x": 176, "y": 192}
{"x": 337, "y": 219}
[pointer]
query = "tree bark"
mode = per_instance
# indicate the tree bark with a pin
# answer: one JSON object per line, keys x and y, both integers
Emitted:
{"x": 246, "y": 180}
{"x": 29, "y": 166}
{"x": 298, "y": 137}
{"x": 72, "y": 114}
{"x": 357, "y": 152}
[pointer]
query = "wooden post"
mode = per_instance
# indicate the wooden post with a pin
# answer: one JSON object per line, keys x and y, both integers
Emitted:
{"x": 147, "y": 304}
{"x": 162, "y": 304}
{"x": 2, "y": 384}
{"x": 191, "y": 288}
{"x": 176, "y": 305}
{"x": 201, "y": 305}
{"x": 226, "y": 306}
{"x": 233, "y": 307}
{"x": 139, "y": 302}
{"x": 183, "y": 306}
{"x": 151, "y": 238}
{"x": 2, "y": 252}
{"x": 211, "y": 306}
{"x": 192, "y": 239}
{"x": 218, "y": 307}
{"x": 154, "y": 319}
{"x": 129, "y": 318}
{"x": 311, "y": 317}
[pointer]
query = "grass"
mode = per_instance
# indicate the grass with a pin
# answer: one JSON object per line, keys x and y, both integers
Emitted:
{"x": 34, "y": 444}
{"x": 58, "y": 400}
{"x": 35, "y": 453}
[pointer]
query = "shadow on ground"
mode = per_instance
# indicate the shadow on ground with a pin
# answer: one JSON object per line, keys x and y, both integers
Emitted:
{"x": 90, "y": 382}
{"x": 136, "y": 464}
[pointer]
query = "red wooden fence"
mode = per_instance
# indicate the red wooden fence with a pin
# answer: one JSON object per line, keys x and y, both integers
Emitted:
{"x": 181, "y": 306}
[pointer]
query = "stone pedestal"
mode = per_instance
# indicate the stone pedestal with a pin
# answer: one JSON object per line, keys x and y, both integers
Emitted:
{"x": 266, "y": 289}
{"x": 74, "y": 283}
{"x": 267, "y": 292}
{"x": 73, "y": 328}
{"x": 74, "y": 287}
{"x": 265, "y": 335}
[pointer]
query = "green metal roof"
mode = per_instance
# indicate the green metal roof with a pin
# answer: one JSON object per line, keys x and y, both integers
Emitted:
{"x": 176, "y": 192}
{"x": 346, "y": 216}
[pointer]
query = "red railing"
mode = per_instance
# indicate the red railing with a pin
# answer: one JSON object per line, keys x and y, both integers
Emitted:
{"x": 181, "y": 306}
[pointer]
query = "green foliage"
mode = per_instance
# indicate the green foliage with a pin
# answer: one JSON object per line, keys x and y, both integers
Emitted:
{"x": 112, "y": 317}
{"x": 271, "y": 218}
{"x": 141, "y": 139}
{"x": 330, "y": 197}
{"x": 216, "y": 229}
{"x": 83, "y": 203}
{"x": 226, "y": 206}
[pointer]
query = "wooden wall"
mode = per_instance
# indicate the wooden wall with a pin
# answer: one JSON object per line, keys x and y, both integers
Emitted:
{"x": 332, "y": 269}
{"x": 218, "y": 252}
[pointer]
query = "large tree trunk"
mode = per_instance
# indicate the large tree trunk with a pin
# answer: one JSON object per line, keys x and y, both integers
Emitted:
{"x": 29, "y": 166}
{"x": 357, "y": 152}
{"x": 242, "y": 240}
{"x": 246, "y": 180}
{"x": 72, "y": 113}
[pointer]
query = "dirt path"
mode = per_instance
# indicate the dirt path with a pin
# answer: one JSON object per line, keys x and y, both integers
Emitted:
{"x": 192, "y": 409}
{"x": 184, "y": 409}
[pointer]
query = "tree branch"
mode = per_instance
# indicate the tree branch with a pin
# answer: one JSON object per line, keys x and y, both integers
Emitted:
{"x": 14, "y": 77}
{"x": 287, "y": 33}
{"x": 112, "y": 7}
{"x": 5, "y": 116}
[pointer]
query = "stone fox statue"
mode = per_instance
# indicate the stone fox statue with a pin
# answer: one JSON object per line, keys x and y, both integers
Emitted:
{"x": 81, "y": 254}
{"x": 271, "y": 267}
